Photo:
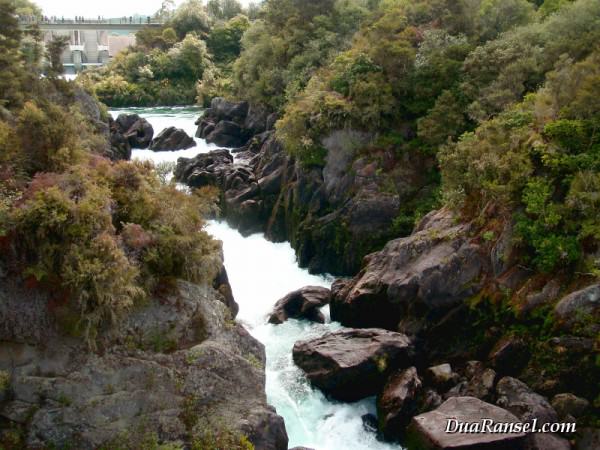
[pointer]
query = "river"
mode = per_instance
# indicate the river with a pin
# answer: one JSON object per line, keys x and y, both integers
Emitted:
{"x": 261, "y": 272}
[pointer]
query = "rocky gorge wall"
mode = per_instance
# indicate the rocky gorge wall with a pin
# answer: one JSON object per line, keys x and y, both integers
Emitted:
{"x": 333, "y": 215}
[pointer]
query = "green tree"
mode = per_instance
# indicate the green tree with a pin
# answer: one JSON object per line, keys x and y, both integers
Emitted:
{"x": 224, "y": 41}
{"x": 11, "y": 65}
{"x": 497, "y": 16}
{"x": 190, "y": 17}
{"x": 166, "y": 11}
{"x": 32, "y": 49}
{"x": 223, "y": 9}
{"x": 54, "y": 52}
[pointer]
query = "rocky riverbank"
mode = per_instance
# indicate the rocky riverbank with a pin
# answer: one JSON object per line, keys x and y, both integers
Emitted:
{"x": 178, "y": 369}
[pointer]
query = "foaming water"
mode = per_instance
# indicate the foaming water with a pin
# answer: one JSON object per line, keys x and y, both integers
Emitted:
{"x": 260, "y": 273}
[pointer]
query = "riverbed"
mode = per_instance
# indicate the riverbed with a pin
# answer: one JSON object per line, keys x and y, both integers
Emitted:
{"x": 260, "y": 273}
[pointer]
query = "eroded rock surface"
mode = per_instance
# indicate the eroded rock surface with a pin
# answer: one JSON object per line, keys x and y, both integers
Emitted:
{"x": 413, "y": 280}
{"x": 171, "y": 139}
{"x": 352, "y": 364}
{"x": 398, "y": 402}
{"x": 174, "y": 367}
{"x": 428, "y": 430}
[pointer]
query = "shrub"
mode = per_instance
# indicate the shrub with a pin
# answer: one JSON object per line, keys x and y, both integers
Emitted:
{"x": 539, "y": 160}
{"x": 49, "y": 137}
{"x": 108, "y": 235}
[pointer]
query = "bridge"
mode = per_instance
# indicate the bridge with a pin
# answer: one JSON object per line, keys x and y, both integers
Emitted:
{"x": 91, "y": 42}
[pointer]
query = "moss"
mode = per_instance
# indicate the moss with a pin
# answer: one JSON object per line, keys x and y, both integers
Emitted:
{"x": 382, "y": 363}
{"x": 4, "y": 382}
{"x": 189, "y": 415}
{"x": 255, "y": 362}
{"x": 221, "y": 439}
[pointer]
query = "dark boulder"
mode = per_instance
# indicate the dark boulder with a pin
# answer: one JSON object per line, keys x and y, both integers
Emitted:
{"x": 227, "y": 134}
{"x": 413, "y": 280}
{"x": 140, "y": 134}
{"x": 441, "y": 376}
{"x": 231, "y": 124}
{"x": 120, "y": 148}
{"x": 352, "y": 364}
{"x": 204, "y": 169}
{"x": 398, "y": 402}
{"x": 221, "y": 284}
{"x": 301, "y": 304}
{"x": 171, "y": 139}
{"x": 428, "y": 430}
{"x": 518, "y": 398}
{"x": 266, "y": 430}
{"x": 136, "y": 130}
{"x": 221, "y": 109}
{"x": 588, "y": 439}
{"x": 546, "y": 441}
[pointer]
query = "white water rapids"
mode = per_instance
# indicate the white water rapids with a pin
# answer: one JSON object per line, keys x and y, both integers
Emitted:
{"x": 261, "y": 272}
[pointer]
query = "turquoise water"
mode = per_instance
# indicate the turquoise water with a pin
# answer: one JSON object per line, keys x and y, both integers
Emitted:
{"x": 261, "y": 272}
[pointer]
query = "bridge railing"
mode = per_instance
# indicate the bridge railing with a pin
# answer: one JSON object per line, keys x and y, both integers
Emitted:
{"x": 53, "y": 20}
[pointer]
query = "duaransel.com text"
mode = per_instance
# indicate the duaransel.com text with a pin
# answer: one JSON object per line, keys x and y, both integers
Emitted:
{"x": 490, "y": 426}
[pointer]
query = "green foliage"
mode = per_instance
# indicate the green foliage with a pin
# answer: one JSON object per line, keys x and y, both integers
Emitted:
{"x": 223, "y": 9}
{"x": 549, "y": 179}
{"x": 55, "y": 49}
{"x": 224, "y": 40}
{"x": 48, "y": 136}
{"x": 503, "y": 70}
{"x": 189, "y": 17}
{"x": 11, "y": 65}
{"x": 152, "y": 77}
{"x": 293, "y": 39}
{"x": 497, "y": 16}
{"x": 108, "y": 235}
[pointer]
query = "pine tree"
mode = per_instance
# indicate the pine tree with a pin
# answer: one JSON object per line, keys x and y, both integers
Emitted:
{"x": 11, "y": 62}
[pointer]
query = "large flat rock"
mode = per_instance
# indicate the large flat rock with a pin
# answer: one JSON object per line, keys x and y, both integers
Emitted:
{"x": 428, "y": 431}
{"x": 352, "y": 364}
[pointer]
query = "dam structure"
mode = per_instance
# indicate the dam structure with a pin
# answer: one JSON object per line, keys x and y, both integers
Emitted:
{"x": 91, "y": 42}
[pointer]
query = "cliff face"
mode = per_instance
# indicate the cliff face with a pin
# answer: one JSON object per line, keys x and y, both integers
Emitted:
{"x": 466, "y": 298}
{"x": 178, "y": 369}
{"x": 333, "y": 214}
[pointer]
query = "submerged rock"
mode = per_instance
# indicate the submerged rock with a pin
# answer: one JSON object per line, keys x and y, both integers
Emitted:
{"x": 428, "y": 430}
{"x": 171, "y": 139}
{"x": 352, "y": 364}
{"x": 301, "y": 304}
